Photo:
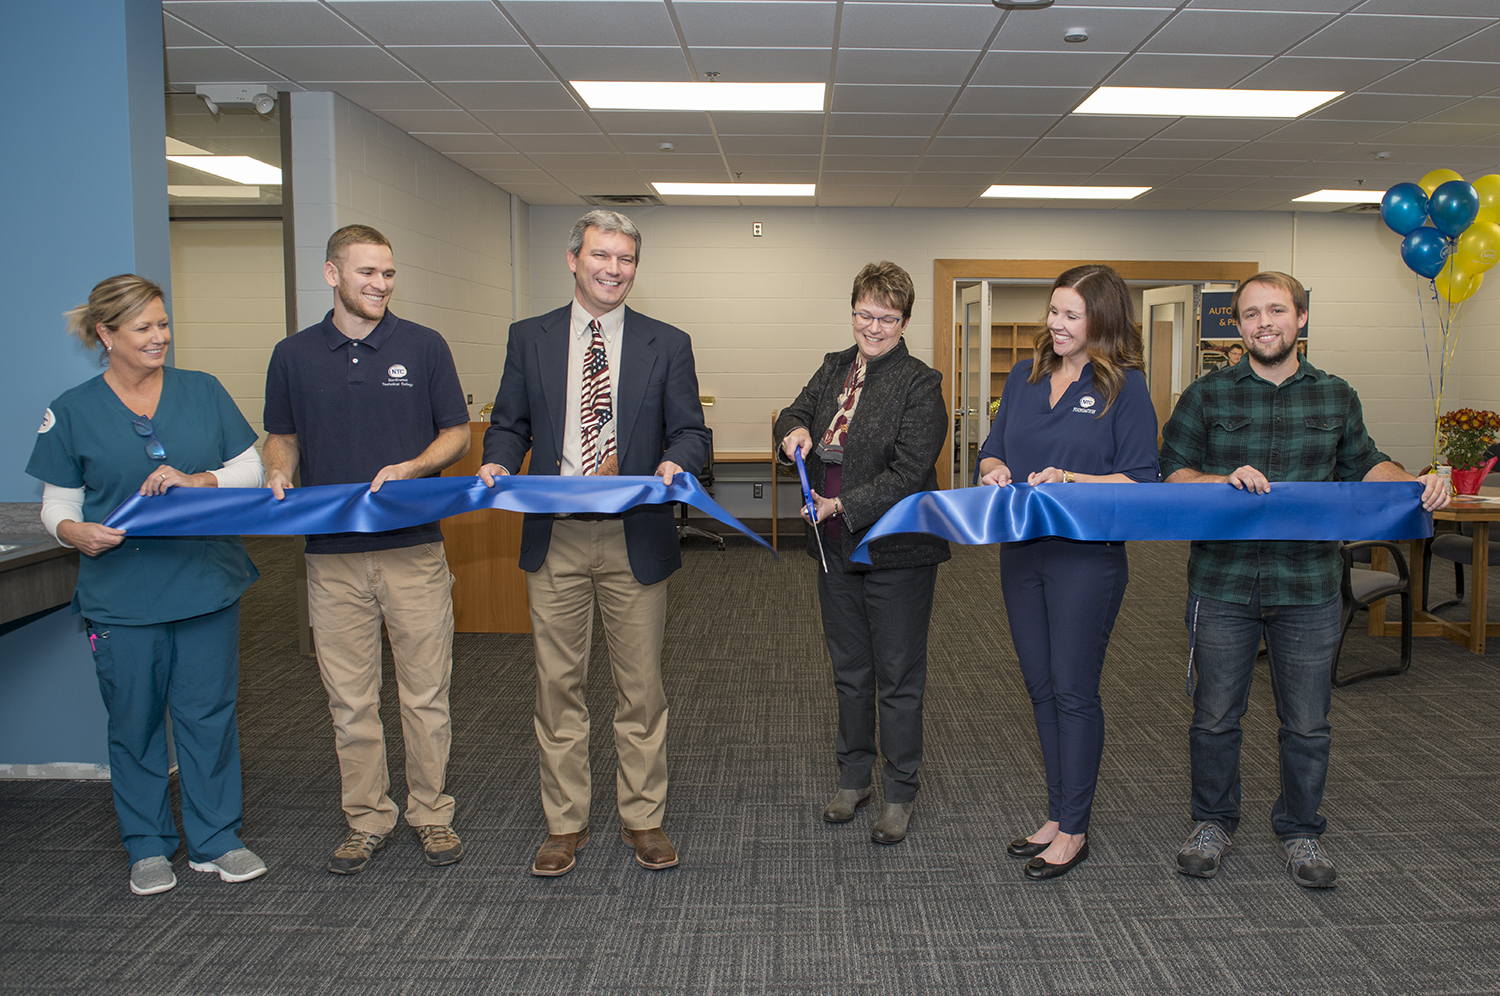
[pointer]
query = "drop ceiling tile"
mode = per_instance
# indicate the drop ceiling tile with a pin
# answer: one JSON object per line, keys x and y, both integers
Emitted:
{"x": 1339, "y": 174}
{"x": 857, "y": 196}
{"x": 791, "y": 145}
{"x": 761, "y": 162}
{"x": 1130, "y": 178}
{"x": 1294, "y": 73}
{"x": 977, "y": 145}
{"x": 1295, "y": 186}
{"x": 683, "y": 145}
{"x": 430, "y": 22}
{"x": 611, "y": 62}
{"x": 1201, "y": 181}
{"x": 997, "y": 125}
{"x": 1434, "y": 77}
{"x": 1072, "y": 68}
{"x": 1313, "y": 130}
{"x": 1395, "y": 155}
{"x": 845, "y": 145}
{"x": 1148, "y": 164}
{"x": 537, "y": 122}
{"x": 1432, "y": 133}
{"x": 665, "y": 123}
{"x": 950, "y": 165}
{"x": 883, "y": 124}
{"x": 884, "y": 164}
{"x": 265, "y": 22}
{"x": 938, "y": 197}
{"x": 762, "y": 123}
{"x": 1288, "y": 151}
{"x": 1107, "y": 148}
{"x": 537, "y": 146}
{"x": 892, "y": 100}
{"x": 777, "y": 176}
{"x": 1164, "y": 148}
{"x": 179, "y": 34}
{"x": 350, "y": 64}
{"x": 1220, "y": 129}
{"x": 544, "y": 193}
{"x": 1382, "y": 107}
{"x": 764, "y": 65}
{"x": 1109, "y": 29}
{"x": 1246, "y": 32}
{"x": 449, "y": 144}
{"x": 479, "y": 160}
{"x": 474, "y": 62}
{"x": 1470, "y": 8}
{"x": 1062, "y": 165}
{"x": 1246, "y": 169}
{"x": 883, "y": 66}
{"x": 860, "y": 178}
{"x": 1481, "y": 110}
{"x": 511, "y": 96}
{"x": 957, "y": 27}
{"x": 381, "y": 97}
{"x": 726, "y": 23}
{"x": 188, "y": 66}
{"x": 452, "y": 122}
{"x": 598, "y": 181}
{"x": 1185, "y": 70}
{"x": 1108, "y": 126}
{"x": 1382, "y": 36}
{"x": 506, "y": 177}
{"x": 580, "y": 22}
{"x": 1019, "y": 99}
{"x": 1329, "y": 6}
{"x": 1482, "y": 46}
{"x": 649, "y": 164}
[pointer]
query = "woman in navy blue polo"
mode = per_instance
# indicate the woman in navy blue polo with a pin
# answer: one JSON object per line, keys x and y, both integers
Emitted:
{"x": 1078, "y": 412}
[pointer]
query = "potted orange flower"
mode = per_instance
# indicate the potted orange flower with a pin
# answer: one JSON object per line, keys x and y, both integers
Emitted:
{"x": 1463, "y": 437}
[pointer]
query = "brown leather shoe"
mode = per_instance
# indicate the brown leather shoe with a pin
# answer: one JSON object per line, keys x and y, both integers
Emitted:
{"x": 556, "y": 855}
{"x": 652, "y": 848}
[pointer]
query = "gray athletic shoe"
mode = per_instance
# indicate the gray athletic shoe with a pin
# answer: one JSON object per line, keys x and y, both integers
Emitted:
{"x": 1200, "y": 853}
{"x": 238, "y": 865}
{"x": 1310, "y": 867}
{"x": 149, "y": 876}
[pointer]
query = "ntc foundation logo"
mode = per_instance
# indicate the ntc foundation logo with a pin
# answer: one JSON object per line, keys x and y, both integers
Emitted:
{"x": 1086, "y": 405}
{"x": 396, "y": 375}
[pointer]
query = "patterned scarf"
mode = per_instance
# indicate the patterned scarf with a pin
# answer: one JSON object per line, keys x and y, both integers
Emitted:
{"x": 831, "y": 446}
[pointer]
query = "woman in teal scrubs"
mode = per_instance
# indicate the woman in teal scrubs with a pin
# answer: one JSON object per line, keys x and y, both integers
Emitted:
{"x": 162, "y": 614}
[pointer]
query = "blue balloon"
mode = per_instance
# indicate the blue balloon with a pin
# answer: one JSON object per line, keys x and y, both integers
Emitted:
{"x": 1453, "y": 207}
{"x": 1404, "y": 208}
{"x": 1425, "y": 251}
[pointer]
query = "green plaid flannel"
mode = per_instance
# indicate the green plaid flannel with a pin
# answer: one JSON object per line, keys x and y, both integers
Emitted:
{"x": 1309, "y": 428}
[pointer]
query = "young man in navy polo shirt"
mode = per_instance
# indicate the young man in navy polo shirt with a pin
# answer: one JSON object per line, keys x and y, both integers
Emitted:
{"x": 366, "y": 396}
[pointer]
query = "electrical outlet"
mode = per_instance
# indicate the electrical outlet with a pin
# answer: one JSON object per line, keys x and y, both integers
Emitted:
{"x": 760, "y": 491}
{"x": 471, "y": 399}
{"x": 756, "y": 230}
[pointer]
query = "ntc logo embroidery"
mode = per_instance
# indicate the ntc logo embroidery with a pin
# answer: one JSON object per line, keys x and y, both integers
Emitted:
{"x": 1087, "y": 401}
{"x": 397, "y": 371}
{"x": 48, "y": 421}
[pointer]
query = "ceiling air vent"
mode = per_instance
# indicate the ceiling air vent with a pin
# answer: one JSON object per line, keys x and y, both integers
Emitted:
{"x": 1359, "y": 209}
{"x": 624, "y": 200}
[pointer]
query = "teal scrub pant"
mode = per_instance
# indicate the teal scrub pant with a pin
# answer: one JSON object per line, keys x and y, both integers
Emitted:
{"x": 192, "y": 667}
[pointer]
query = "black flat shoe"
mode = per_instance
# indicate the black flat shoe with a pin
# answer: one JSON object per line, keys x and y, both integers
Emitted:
{"x": 1023, "y": 848}
{"x": 1039, "y": 870}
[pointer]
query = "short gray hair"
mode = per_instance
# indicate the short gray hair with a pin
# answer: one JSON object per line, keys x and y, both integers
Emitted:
{"x": 607, "y": 222}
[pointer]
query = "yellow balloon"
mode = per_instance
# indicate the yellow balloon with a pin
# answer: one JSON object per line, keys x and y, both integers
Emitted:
{"x": 1488, "y": 189}
{"x": 1436, "y": 179}
{"x": 1456, "y": 284}
{"x": 1478, "y": 247}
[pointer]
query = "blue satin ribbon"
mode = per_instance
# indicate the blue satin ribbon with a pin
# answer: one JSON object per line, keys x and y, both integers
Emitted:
{"x": 351, "y": 508}
{"x": 1118, "y": 512}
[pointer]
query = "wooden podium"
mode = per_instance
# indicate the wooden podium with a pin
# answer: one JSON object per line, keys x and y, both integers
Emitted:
{"x": 489, "y": 593}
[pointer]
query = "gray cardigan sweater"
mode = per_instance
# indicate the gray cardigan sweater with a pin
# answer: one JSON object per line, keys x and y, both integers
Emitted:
{"x": 894, "y": 442}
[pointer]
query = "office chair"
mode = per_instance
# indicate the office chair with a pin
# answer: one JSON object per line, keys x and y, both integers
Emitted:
{"x": 706, "y": 478}
{"x": 1359, "y": 590}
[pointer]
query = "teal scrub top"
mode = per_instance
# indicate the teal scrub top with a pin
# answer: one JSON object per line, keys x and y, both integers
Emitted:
{"x": 87, "y": 440}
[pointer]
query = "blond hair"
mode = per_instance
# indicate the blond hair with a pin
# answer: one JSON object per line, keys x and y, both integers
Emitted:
{"x": 111, "y": 303}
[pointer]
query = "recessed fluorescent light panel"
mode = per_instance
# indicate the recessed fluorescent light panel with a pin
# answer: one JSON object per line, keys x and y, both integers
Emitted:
{"x": 217, "y": 191}
{"x": 241, "y": 169}
{"x": 1143, "y": 101}
{"x": 622, "y": 96}
{"x": 1039, "y": 193}
{"x": 1342, "y": 197}
{"x": 736, "y": 189}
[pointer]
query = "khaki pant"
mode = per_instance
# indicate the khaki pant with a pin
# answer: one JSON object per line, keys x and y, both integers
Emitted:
{"x": 587, "y": 562}
{"x": 348, "y": 594}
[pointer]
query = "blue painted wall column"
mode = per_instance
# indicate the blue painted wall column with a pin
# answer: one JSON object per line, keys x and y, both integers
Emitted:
{"x": 86, "y": 198}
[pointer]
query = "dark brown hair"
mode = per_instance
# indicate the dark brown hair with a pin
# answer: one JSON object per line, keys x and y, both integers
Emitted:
{"x": 1113, "y": 337}
{"x": 887, "y": 285}
{"x": 1277, "y": 279}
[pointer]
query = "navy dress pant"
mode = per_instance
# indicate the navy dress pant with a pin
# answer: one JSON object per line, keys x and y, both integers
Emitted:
{"x": 1062, "y": 598}
{"x": 875, "y": 622}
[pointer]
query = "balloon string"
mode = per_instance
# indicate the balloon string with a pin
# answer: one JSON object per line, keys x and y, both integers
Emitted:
{"x": 1432, "y": 388}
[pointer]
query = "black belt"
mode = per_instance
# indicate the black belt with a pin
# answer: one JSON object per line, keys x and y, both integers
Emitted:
{"x": 587, "y": 516}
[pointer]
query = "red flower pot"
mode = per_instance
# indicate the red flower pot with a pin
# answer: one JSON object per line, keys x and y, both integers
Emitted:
{"x": 1466, "y": 480}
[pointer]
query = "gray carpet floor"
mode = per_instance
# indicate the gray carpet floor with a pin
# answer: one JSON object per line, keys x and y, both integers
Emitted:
{"x": 769, "y": 899}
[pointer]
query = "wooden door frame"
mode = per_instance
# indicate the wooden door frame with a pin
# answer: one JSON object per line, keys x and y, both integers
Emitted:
{"x": 946, "y": 271}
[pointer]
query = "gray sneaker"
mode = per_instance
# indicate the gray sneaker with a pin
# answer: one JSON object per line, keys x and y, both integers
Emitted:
{"x": 1200, "y": 853}
{"x": 149, "y": 876}
{"x": 238, "y": 865}
{"x": 440, "y": 845}
{"x": 1310, "y": 867}
{"x": 355, "y": 852}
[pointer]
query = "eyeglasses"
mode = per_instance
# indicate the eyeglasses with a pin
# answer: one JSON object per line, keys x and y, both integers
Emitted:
{"x": 886, "y": 322}
{"x": 154, "y": 449}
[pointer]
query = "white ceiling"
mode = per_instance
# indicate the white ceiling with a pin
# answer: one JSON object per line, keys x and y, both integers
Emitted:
{"x": 931, "y": 101}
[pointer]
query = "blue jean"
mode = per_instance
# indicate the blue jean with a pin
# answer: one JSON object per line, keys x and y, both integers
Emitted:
{"x": 1300, "y": 640}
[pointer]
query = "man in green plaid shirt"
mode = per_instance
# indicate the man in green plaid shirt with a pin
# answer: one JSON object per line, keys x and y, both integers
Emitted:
{"x": 1270, "y": 417}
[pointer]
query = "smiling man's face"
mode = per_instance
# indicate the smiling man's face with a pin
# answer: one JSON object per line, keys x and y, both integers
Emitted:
{"x": 604, "y": 270}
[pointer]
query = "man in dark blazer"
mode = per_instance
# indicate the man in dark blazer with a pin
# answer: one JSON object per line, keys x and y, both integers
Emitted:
{"x": 595, "y": 388}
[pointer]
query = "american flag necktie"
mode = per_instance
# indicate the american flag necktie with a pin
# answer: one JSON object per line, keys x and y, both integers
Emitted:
{"x": 596, "y": 412}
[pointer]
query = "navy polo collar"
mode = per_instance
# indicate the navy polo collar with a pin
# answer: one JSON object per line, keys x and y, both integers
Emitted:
{"x": 333, "y": 338}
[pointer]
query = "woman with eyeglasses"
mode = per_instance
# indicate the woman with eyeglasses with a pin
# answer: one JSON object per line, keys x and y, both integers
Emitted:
{"x": 871, "y": 426}
{"x": 162, "y": 614}
{"x": 1077, "y": 412}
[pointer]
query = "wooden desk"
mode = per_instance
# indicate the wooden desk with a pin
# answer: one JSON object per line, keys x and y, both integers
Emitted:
{"x": 484, "y": 547}
{"x": 1469, "y": 632}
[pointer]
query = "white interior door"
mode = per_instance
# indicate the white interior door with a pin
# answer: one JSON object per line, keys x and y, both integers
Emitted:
{"x": 971, "y": 361}
{"x": 1169, "y": 328}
